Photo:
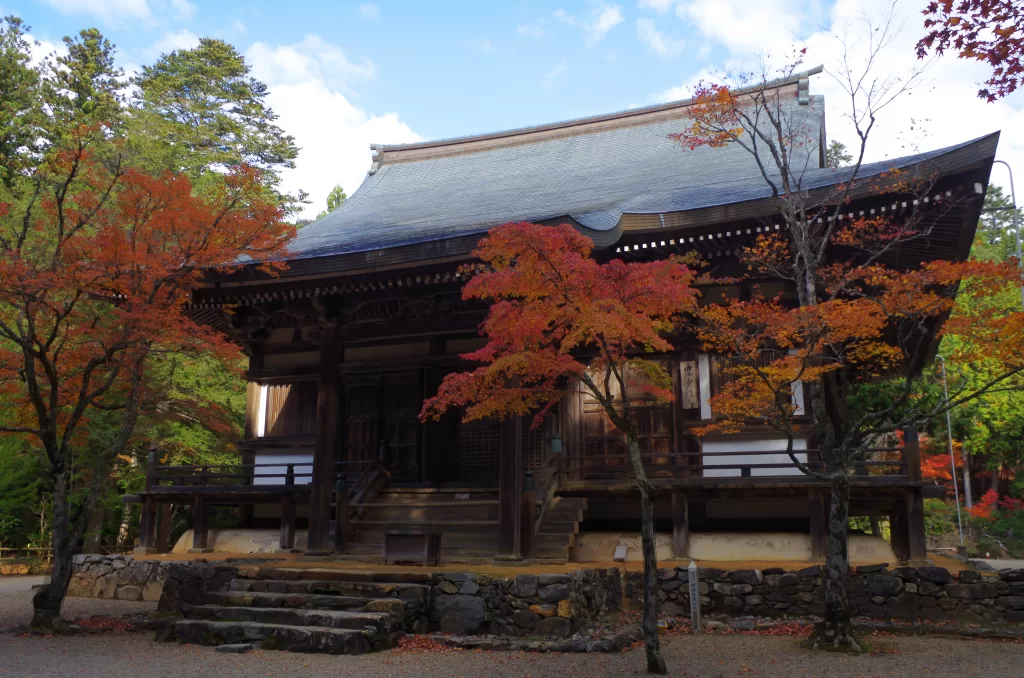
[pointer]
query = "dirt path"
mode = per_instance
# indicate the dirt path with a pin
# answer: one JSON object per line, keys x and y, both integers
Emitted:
{"x": 135, "y": 654}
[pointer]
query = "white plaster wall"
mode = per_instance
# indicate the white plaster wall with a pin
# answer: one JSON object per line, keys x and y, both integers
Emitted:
{"x": 713, "y": 444}
{"x": 303, "y": 464}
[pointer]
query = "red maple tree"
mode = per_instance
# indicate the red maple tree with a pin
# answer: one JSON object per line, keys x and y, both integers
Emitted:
{"x": 98, "y": 263}
{"x": 990, "y": 31}
{"x": 559, "y": 318}
{"x": 857, "y": 327}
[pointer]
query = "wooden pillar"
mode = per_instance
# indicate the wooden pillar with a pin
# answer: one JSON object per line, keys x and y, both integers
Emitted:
{"x": 163, "y": 528}
{"x": 817, "y": 512}
{"x": 340, "y": 514}
{"x": 200, "y": 531}
{"x": 528, "y": 518}
{"x": 287, "y": 541}
{"x": 917, "y": 545}
{"x": 147, "y": 526}
{"x": 680, "y": 525}
{"x": 510, "y": 479}
{"x": 147, "y": 523}
{"x": 898, "y": 531}
{"x": 325, "y": 450}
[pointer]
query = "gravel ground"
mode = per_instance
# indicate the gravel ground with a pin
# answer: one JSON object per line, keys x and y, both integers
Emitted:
{"x": 134, "y": 654}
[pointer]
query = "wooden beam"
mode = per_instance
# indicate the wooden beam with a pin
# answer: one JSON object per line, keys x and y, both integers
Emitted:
{"x": 325, "y": 450}
{"x": 510, "y": 479}
{"x": 680, "y": 525}
{"x": 817, "y": 512}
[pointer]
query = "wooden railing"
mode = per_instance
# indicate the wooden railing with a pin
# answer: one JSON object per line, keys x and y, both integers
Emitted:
{"x": 552, "y": 471}
{"x": 890, "y": 462}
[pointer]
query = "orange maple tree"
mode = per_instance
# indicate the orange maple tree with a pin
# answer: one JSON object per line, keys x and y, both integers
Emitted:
{"x": 857, "y": 326}
{"x": 98, "y": 263}
{"x": 559, "y": 318}
{"x": 990, "y": 31}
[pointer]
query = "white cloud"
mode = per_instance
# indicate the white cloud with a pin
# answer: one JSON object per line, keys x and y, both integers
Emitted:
{"x": 746, "y": 27}
{"x": 554, "y": 74}
{"x": 658, "y": 42}
{"x": 306, "y": 82}
{"x": 532, "y": 29}
{"x": 185, "y": 9}
{"x": 482, "y": 45}
{"x": 369, "y": 11}
{"x": 601, "y": 19}
{"x": 238, "y": 27}
{"x": 312, "y": 59}
{"x": 945, "y": 103}
{"x": 113, "y": 11}
{"x": 659, "y": 6}
{"x": 183, "y": 39}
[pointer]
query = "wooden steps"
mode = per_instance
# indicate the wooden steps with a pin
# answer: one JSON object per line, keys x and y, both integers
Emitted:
{"x": 467, "y": 521}
{"x": 558, "y": 528}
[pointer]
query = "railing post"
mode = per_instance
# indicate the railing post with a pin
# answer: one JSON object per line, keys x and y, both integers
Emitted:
{"x": 528, "y": 520}
{"x": 288, "y": 511}
{"x": 912, "y": 453}
{"x": 340, "y": 513}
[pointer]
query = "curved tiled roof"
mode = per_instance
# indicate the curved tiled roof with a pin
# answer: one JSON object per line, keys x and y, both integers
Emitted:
{"x": 592, "y": 171}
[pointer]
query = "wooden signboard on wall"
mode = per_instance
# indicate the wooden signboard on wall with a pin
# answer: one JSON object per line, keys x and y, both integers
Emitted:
{"x": 688, "y": 381}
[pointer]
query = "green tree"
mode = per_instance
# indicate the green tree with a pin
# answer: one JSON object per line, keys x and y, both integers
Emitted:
{"x": 334, "y": 200}
{"x": 19, "y": 100}
{"x": 84, "y": 86}
{"x": 204, "y": 112}
{"x": 836, "y": 155}
{"x": 997, "y": 238}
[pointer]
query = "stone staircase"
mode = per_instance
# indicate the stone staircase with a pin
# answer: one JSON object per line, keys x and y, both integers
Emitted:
{"x": 307, "y": 611}
{"x": 558, "y": 528}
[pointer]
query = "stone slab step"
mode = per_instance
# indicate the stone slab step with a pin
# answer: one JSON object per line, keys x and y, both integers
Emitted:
{"x": 415, "y": 593}
{"x": 381, "y": 622}
{"x": 277, "y": 637}
{"x": 325, "y": 574}
{"x": 309, "y": 601}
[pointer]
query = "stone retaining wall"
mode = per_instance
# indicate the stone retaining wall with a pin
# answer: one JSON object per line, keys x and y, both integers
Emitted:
{"x": 117, "y": 577}
{"x": 558, "y": 605}
{"x": 874, "y": 590}
{"x": 551, "y": 605}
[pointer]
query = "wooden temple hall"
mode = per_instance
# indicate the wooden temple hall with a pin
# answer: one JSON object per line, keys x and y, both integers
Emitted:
{"x": 347, "y": 342}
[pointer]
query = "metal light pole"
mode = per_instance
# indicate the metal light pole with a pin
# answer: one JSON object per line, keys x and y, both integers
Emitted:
{"x": 1016, "y": 224}
{"x": 949, "y": 441}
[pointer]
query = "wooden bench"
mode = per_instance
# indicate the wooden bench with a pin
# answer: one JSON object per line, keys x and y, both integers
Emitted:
{"x": 412, "y": 546}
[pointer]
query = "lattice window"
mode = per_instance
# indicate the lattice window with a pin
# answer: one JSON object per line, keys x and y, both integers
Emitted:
{"x": 479, "y": 447}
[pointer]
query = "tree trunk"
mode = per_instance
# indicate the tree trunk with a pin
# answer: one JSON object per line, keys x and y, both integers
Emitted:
{"x": 48, "y": 600}
{"x": 835, "y": 630}
{"x": 649, "y": 623}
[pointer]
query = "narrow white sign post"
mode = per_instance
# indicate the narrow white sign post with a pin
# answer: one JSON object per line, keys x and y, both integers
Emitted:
{"x": 694, "y": 581}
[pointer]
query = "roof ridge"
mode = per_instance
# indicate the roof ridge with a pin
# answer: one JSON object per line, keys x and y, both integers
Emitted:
{"x": 384, "y": 153}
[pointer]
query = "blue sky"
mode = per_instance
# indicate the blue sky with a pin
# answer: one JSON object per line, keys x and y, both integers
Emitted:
{"x": 344, "y": 74}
